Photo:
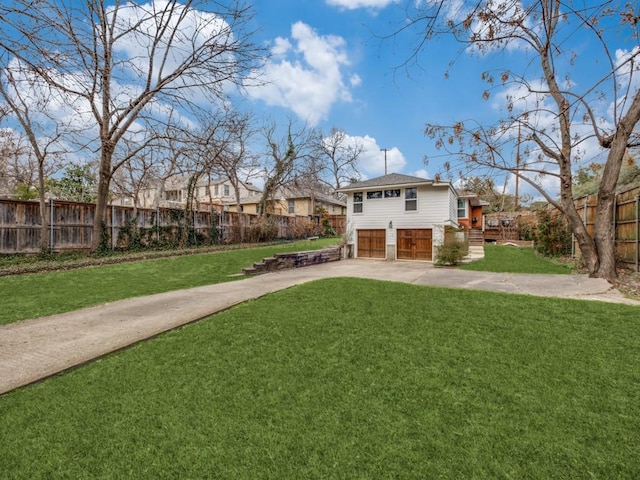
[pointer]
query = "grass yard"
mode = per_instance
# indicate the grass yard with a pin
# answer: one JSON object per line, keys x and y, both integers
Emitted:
{"x": 37, "y": 295}
{"x": 510, "y": 259}
{"x": 346, "y": 378}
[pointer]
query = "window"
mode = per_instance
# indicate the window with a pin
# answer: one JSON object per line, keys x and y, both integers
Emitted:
{"x": 226, "y": 190}
{"x": 173, "y": 195}
{"x": 392, "y": 193}
{"x": 410, "y": 199}
{"x": 374, "y": 194}
{"x": 357, "y": 202}
{"x": 215, "y": 190}
{"x": 292, "y": 206}
{"x": 462, "y": 208}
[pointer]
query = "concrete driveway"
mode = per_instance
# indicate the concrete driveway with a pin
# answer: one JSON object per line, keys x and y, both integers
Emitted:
{"x": 35, "y": 349}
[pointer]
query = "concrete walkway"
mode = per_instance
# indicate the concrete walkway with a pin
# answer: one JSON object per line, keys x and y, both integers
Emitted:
{"x": 35, "y": 349}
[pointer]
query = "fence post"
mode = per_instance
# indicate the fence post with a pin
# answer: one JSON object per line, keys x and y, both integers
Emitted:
{"x": 637, "y": 252}
{"x": 51, "y": 217}
{"x": 113, "y": 227}
{"x": 615, "y": 214}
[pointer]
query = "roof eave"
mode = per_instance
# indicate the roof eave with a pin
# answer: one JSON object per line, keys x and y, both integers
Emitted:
{"x": 382, "y": 187}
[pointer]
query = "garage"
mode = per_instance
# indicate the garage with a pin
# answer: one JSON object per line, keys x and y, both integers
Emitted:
{"x": 415, "y": 244}
{"x": 372, "y": 243}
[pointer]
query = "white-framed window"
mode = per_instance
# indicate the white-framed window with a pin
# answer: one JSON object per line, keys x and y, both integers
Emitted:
{"x": 462, "y": 208}
{"x": 226, "y": 190}
{"x": 357, "y": 202}
{"x": 215, "y": 190}
{"x": 392, "y": 193}
{"x": 374, "y": 194}
{"x": 292, "y": 206}
{"x": 411, "y": 199}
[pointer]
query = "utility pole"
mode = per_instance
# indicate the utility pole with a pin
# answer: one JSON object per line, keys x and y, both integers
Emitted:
{"x": 385, "y": 150}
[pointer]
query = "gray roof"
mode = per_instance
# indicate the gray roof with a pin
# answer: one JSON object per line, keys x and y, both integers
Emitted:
{"x": 306, "y": 193}
{"x": 390, "y": 180}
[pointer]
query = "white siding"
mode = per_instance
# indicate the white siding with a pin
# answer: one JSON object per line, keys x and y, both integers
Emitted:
{"x": 453, "y": 205}
{"x": 436, "y": 207}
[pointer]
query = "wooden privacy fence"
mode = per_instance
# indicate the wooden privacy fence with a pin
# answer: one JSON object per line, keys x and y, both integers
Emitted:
{"x": 626, "y": 223}
{"x": 71, "y": 226}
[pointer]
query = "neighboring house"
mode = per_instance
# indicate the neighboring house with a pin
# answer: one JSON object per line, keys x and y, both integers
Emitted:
{"x": 399, "y": 216}
{"x": 293, "y": 202}
{"x": 470, "y": 211}
{"x": 122, "y": 201}
{"x": 214, "y": 193}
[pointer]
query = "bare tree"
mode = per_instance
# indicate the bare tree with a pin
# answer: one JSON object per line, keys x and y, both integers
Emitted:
{"x": 122, "y": 65}
{"x": 138, "y": 174}
{"x": 555, "y": 115}
{"x": 236, "y": 162}
{"x": 285, "y": 160}
{"x": 28, "y": 108}
{"x": 339, "y": 155}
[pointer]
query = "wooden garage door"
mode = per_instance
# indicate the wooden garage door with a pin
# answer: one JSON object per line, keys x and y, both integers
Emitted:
{"x": 372, "y": 243}
{"x": 415, "y": 244}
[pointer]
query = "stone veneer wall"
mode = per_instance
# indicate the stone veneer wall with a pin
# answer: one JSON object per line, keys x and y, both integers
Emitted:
{"x": 284, "y": 261}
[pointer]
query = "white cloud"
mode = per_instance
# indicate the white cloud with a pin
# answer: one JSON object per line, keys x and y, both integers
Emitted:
{"x": 355, "y": 80}
{"x": 355, "y": 4}
{"x": 306, "y": 74}
{"x": 628, "y": 76}
{"x": 422, "y": 173}
{"x": 138, "y": 25}
{"x": 372, "y": 159}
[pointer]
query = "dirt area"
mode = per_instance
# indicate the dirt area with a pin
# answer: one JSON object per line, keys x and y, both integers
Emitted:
{"x": 629, "y": 283}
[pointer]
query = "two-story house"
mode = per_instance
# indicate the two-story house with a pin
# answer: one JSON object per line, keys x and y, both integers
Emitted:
{"x": 208, "y": 193}
{"x": 399, "y": 216}
{"x": 293, "y": 202}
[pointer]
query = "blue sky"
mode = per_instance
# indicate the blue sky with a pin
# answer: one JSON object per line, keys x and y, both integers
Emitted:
{"x": 370, "y": 99}
{"x": 331, "y": 68}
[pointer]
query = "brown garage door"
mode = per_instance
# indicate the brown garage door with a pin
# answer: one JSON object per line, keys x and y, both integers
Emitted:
{"x": 372, "y": 243}
{"x": 415, "y": 244}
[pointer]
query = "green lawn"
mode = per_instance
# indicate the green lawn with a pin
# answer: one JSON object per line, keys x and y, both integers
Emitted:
{"x": 36, "y": 295}
{"x": 510, "y": 259}
{"x": 347, "y": 378}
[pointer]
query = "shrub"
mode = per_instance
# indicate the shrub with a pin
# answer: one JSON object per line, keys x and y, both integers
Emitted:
{"x": 304, "y": 229}
{"x": 264, "y": 230}
{"x": 553, "y": 236}
{"x": 451, "y": 252}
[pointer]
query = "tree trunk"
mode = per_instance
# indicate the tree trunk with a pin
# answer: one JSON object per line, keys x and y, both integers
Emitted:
{"x": 604, "y": 232}
{"x": 586, "y": 243}
{"x": 44, "y": 212}
{"x": 102, "y": 199}
{"x": 236, "y": 188}
{"x": 603, "y": 229}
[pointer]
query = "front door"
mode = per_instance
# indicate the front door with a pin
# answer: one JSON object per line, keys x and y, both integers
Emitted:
{"x": 415, "y": 244}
